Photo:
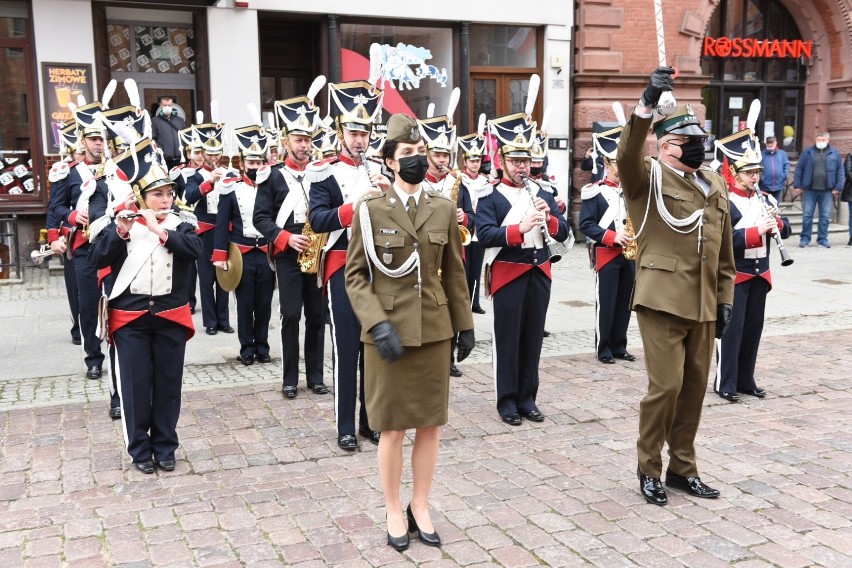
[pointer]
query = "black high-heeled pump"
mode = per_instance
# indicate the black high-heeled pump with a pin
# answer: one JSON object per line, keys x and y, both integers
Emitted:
{"x": 399, "y": 543}
{"x": 429, "y": 539}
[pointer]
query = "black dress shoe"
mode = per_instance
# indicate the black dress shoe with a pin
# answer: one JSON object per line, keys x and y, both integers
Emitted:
{"x": 211, "y": 331}
{"x": 347, "y": 442}
{"x": 730, "y": 396}
{"x": 477, "y": 310}
{"x": 94, "y": 373}
{"x": 454, "y": 371}
{"x": 607, "y": 359}
{"x": 263, "y": 358}
{"x": 692, "y": 485}
{"x": 145, "y": 467}
{"x": 289, "y": 392}
{"x": 166, "y": 465}
{"x": 399, "y": 543}
{"x": 759, "y": 393}
{"x": 371, "y": 435}
{"x": 625, "y": 356}
{"x": 115, "y": 413}
{"x": 545, "y": 333}
{"x": 651, "y": 489}
{"x": 319, "y": 388}
{"x": 246, "y": 359}
{"x": 226, "y": 329}
{"x": 534, "y": 416}
{"x": 76, "y": 341}
{"x": 429, "y": 539}
{"x": 512, "y": 419}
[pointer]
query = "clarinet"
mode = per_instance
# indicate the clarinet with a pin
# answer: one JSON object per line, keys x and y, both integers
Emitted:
{"x": 555, "y": 249}
{"x": 363, "y": 157}
{"x": 786, "y": 259}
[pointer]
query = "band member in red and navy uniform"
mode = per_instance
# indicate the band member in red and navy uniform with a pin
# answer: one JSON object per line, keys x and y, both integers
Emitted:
{"x": 324, "y": 142}
{"x": 180, "y": 174}
{"x": 510, "y": 222}
{"x": 203, "y": 190}
{"x": 280, "y": 212}
{"x": 603, "y": 219}
{"x": 234, "y": 225}
{"x": 149, "y": 252}
{"x": 337, "y": 186}
{"x": 75, "y": 223}
{"x": 439, "y": 133}
{"x": 56, "y": 234}
{"x": 471, "y": 149}
{"x": 754, "y": 218}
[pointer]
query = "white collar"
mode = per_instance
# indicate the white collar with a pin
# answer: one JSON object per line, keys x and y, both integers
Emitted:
{"x": 403, "y": 195}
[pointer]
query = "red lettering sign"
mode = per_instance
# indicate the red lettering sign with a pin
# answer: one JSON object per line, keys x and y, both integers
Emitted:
{"x": 749, "y": 47}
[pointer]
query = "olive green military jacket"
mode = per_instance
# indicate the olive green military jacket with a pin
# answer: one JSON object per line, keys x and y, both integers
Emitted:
{"x": 443, "y": 309}
{"x": 675, "y": 273}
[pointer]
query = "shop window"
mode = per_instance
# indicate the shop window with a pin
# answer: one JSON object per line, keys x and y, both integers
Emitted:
{"x": 740, "y": 72}
{"x": 151, "y": 49}
{"x": 503, "y": 46}
{"x": 416, "y": 64}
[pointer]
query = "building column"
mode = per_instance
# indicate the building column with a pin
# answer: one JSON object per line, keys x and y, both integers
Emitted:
{"x": 333, "y": 50}
{"x": 464, "y": 75}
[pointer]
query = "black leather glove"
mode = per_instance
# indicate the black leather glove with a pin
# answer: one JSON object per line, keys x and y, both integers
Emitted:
{"x": 661, "y": 80}
{"x": 723, "y": 318}
{"x": 465, "y": 344}
{"x": 387, "y": 341}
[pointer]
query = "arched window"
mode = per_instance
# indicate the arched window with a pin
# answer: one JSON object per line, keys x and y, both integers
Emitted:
{"x": 753, "y": 49}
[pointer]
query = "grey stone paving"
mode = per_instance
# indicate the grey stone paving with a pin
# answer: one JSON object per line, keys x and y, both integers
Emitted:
{"x": 261, "y": 482}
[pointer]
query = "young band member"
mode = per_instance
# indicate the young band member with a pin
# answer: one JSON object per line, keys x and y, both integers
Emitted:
{"x": 603, "y": 219}
{"x": 684, "y": 283}
{"x": 406, "y": 282}
{"x": 234, "y": 224}
{"x": 511, "y": 223}
{"x": 337, "y": 186}
{"x": 439, "y": 133}
{"x": 280, "y": 213}
{"x": 754, "y": 217}
{"x": 203, "y": 190}
{"x": 471, "y": 149}
{"x": 149, "y": 252}
{"x": 193, "y": 161}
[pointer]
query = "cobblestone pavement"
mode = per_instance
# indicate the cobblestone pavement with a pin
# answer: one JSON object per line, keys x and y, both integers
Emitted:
{"x": 261, "y": 482}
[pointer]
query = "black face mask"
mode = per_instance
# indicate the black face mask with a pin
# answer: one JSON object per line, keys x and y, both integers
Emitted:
{"x": 412, "y": 169}
{"x": 251, "y": 174}
{"x": 692, "y": 153}
{"x": 535, "y": 172}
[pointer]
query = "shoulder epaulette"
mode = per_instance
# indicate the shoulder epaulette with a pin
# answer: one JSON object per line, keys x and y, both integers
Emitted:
{"x": 58, "y": 171}
{"x": 187, "y": 217}
{"x": 319, "y": 171}
{"x": 263, "y": 174}
{"x": 590, "y": 190}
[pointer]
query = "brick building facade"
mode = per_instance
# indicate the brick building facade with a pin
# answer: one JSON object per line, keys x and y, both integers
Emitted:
{"x": 616, "y": 49}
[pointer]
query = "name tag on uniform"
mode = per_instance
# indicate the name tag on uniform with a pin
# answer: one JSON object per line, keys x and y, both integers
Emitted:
{"x": 388, "y": 232}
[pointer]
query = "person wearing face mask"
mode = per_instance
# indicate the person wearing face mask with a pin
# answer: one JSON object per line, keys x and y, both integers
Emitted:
{"x": 603, "y": 219}
{"x": 776, "y": 169}
{"x": 234, "y": 224}
{"x": 754, "y": 218}
{"x": 280, "y": 212}
{"x": 337, "y": 186}
{"x": 165, "y": 128}
{"x": 818, "y": 178}
{"x": 684, "y": 282}
{"x": 510, "y": 223}
{"x": 406, "y": 282}
{"x": 471, "y": 149}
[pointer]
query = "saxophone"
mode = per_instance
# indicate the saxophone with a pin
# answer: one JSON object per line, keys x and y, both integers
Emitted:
{"x": 464, "y": 232}
{"x": 309, "y": 259}
{"x": 630, "y": 249}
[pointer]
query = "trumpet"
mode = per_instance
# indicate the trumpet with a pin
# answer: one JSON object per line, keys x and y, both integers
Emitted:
{"x": 555, "y": 249}
{"x": 43, "y": 253}
{"x": 786, "y": 259}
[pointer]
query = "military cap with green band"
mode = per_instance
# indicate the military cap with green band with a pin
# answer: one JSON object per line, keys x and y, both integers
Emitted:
{"x": 682, "y": 122}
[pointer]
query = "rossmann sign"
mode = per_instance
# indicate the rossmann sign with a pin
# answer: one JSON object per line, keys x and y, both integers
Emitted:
{"x": 750, "y": 47}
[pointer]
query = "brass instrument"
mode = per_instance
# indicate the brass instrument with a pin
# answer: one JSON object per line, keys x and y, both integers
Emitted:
{"x": 555, "y": 249}
{"x": 786, "y": 259}
{"x": 309, "y": 259}
{"x": 632, "y": 247}
{"x": 464, "y": 232}
{"x": 44, "y": 251}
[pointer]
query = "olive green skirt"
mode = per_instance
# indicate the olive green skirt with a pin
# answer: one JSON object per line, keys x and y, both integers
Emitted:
{"x": 412, "y": 392}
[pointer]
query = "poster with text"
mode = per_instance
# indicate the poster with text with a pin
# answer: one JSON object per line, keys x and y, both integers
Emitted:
{"x": 63, "y": 83}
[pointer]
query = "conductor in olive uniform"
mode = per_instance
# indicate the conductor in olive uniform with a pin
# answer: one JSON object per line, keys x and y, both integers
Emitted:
{"x": 406, "y": 281}
{"x": 684, "y": 282}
